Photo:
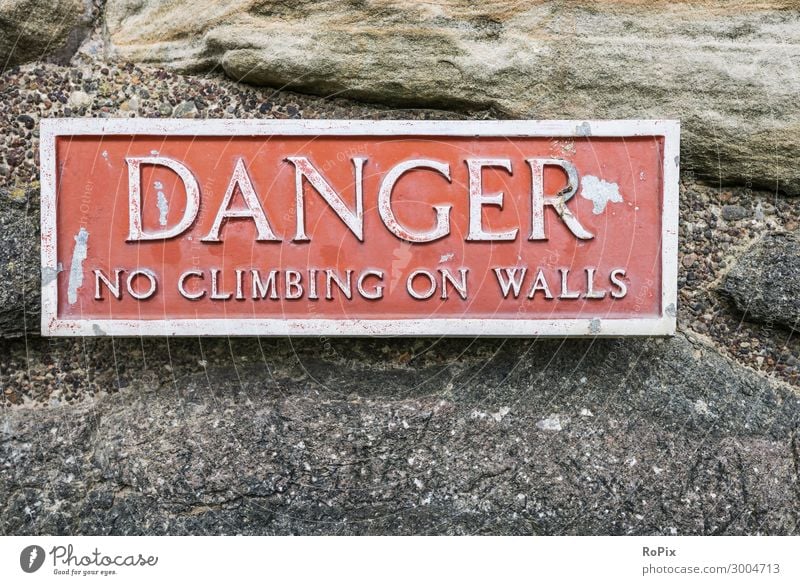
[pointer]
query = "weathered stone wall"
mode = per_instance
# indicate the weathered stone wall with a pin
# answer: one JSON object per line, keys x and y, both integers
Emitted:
{"x": 727, "y": 70}
{"x": 697, "y": 434}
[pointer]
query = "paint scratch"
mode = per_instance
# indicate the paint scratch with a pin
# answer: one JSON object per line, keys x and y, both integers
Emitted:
{"x": 76, "y": 268}
{"x": 446, "y": 257}
{"x": 599, "y": 192}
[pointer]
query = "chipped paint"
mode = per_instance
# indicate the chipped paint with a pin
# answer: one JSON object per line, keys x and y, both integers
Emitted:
{"x": 49, "y": 274}
{"x": 162, "y": 203}
{"x": 600, "y": 193}
{"x": 446, "y": 257}
{"x": 76, "y": 267}
{"x": 564, "y": 147}
{"x": 583, "y": 129}
{"x": 594, "y": 326}
{"x": 401, "y": 258}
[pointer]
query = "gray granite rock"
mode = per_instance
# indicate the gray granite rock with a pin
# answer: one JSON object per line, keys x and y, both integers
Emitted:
{"x": 765, "y": 283}
{"x": 726, "y": 69}
{"x": 733, "y": 212}
{"x": 460, "y": 436}
{"x": 19, "y": 262}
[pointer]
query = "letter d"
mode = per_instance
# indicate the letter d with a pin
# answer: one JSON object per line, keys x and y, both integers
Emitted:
{"x": 136, "y": 232}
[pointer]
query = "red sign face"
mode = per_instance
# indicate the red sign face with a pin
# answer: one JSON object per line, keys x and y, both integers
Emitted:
{"x": 153, "y": 227}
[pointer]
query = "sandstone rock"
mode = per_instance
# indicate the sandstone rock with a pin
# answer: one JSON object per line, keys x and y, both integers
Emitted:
{"x": 19, "y": 262}
{"x": 765, "y": 283}
{"x": 715, "y": 66}
{"x": 349, "y": 440}
{"x": 31, "y": 30}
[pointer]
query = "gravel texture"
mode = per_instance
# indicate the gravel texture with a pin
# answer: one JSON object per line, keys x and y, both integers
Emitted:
{"x": 710, "y": 247}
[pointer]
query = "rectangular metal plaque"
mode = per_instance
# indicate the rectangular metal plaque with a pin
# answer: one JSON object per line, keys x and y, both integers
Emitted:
{"x": 265, "y": 227}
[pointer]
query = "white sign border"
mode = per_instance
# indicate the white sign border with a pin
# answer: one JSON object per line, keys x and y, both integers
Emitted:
{"x": 663, "y": 325}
